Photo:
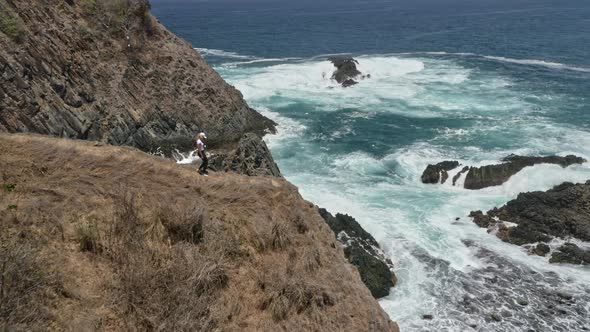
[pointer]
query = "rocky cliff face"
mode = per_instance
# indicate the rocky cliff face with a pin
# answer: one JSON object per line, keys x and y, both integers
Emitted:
{"x": 363, "y": 251}
{"x": 104, "y": 238}
{"x": 251, "y": 157}
{"x": 108, "y": 71}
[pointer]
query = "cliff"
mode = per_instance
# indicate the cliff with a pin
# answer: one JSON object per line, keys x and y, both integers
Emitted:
{"x": 108, "y": 71}
{"x": 97, "y": 237}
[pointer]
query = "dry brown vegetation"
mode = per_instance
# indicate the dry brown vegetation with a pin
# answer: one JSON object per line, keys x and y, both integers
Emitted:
{"x": 102, "y": 238}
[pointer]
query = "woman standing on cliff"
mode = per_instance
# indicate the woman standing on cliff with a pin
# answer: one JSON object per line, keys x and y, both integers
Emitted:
{"x": 201, "y": 151}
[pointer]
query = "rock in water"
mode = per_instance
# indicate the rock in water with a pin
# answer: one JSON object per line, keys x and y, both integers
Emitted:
{"x": 559, "y": 212}
{"x": 363, "y": 251}
{"x": 346, "y": 71}
{"x": 541, "y": 249}
{"x": 433, "y": 173}
{"x": 572, "y": 254}
{"x": 495, "y": 175}
{"x": 492, "y": 175}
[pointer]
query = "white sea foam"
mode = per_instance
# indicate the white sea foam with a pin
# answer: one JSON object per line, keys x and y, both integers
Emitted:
{"x": 554, "y": 65}
{"x": 224, "y": 54}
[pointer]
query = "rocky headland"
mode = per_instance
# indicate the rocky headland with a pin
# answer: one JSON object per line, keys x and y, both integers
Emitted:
{"x": 536, "y": 219}
{"x": 492, "y": 175}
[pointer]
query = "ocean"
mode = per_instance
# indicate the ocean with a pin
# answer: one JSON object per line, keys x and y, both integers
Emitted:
{"x": 463, "y": 80}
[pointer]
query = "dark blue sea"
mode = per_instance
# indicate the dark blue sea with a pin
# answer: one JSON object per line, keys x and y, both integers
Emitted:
{"x": 472, "y": 81}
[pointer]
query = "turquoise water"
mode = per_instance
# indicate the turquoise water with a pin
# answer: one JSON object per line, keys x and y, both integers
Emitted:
{"x": 472, "y": 83}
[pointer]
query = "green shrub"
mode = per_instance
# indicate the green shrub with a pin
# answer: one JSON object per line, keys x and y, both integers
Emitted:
{"x": 9, "y": 187}
{"x": 10, "y": 24}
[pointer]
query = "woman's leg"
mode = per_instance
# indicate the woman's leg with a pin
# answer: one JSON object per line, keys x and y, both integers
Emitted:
{"x": 205, "y": 163}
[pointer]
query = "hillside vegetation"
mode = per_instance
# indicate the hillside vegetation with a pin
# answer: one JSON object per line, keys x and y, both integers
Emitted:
{"x": 103, "y": 238}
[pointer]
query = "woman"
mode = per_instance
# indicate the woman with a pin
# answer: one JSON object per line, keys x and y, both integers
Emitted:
{"x": 201, "y": 151}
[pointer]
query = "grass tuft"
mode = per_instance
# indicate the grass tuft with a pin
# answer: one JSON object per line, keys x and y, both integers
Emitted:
{"x": 279, "y": 239}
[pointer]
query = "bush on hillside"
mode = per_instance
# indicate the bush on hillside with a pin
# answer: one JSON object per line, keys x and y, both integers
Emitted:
{"x": 119, "y": 16}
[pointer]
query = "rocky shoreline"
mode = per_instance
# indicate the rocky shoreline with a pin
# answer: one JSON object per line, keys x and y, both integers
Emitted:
{"x": 535, "y": 219}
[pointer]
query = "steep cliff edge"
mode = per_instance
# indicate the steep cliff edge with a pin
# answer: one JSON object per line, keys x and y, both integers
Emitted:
{"x": 96, "y": 237}
{"x": 109, "y": 71}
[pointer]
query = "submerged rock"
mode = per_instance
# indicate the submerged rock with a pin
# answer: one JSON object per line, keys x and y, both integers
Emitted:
{"x": 538, "y": 216}
{"x": 363, "y": 251}
{"x": 433, "y": 173}
{"x": 495, "y": 175}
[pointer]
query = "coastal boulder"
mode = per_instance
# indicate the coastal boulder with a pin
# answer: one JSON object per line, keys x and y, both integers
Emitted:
{"x": 363, "y": 251}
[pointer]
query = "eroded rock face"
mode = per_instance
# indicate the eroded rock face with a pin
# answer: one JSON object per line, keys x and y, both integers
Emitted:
{"x": 251, "y": 157}
{"x": 562, "y": 212}
{"x": 495, "y": 175}
{"x": 363, "y": 251}
{"x": 71, "y": 76}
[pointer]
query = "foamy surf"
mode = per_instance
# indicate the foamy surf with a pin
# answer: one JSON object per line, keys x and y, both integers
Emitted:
{"x": 362, "y": 151}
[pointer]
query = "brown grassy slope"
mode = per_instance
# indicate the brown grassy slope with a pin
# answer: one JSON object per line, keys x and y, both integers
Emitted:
{"x": 121, "y": 240}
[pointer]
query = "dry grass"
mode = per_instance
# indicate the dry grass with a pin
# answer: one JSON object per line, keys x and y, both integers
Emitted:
{"x": 184, "y": 226}
{"x": 312, "y": 260}
{"x": 25, "y": 285}
{"x": 293, "y": 296}
{"x": 89, "y": 236}
{"x": 279, "y": 238}
{"x": 144, "y": 244}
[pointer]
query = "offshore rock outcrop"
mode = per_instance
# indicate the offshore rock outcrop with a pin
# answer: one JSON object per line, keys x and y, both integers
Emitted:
{"x": 346, "y": 71}
{"x": 492, "y": 175}
{"x": 495, "y": 175}
{"x": 88, "y": 70}
{"x": 363, "y": 251}
{"x": 562, "y": 212}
